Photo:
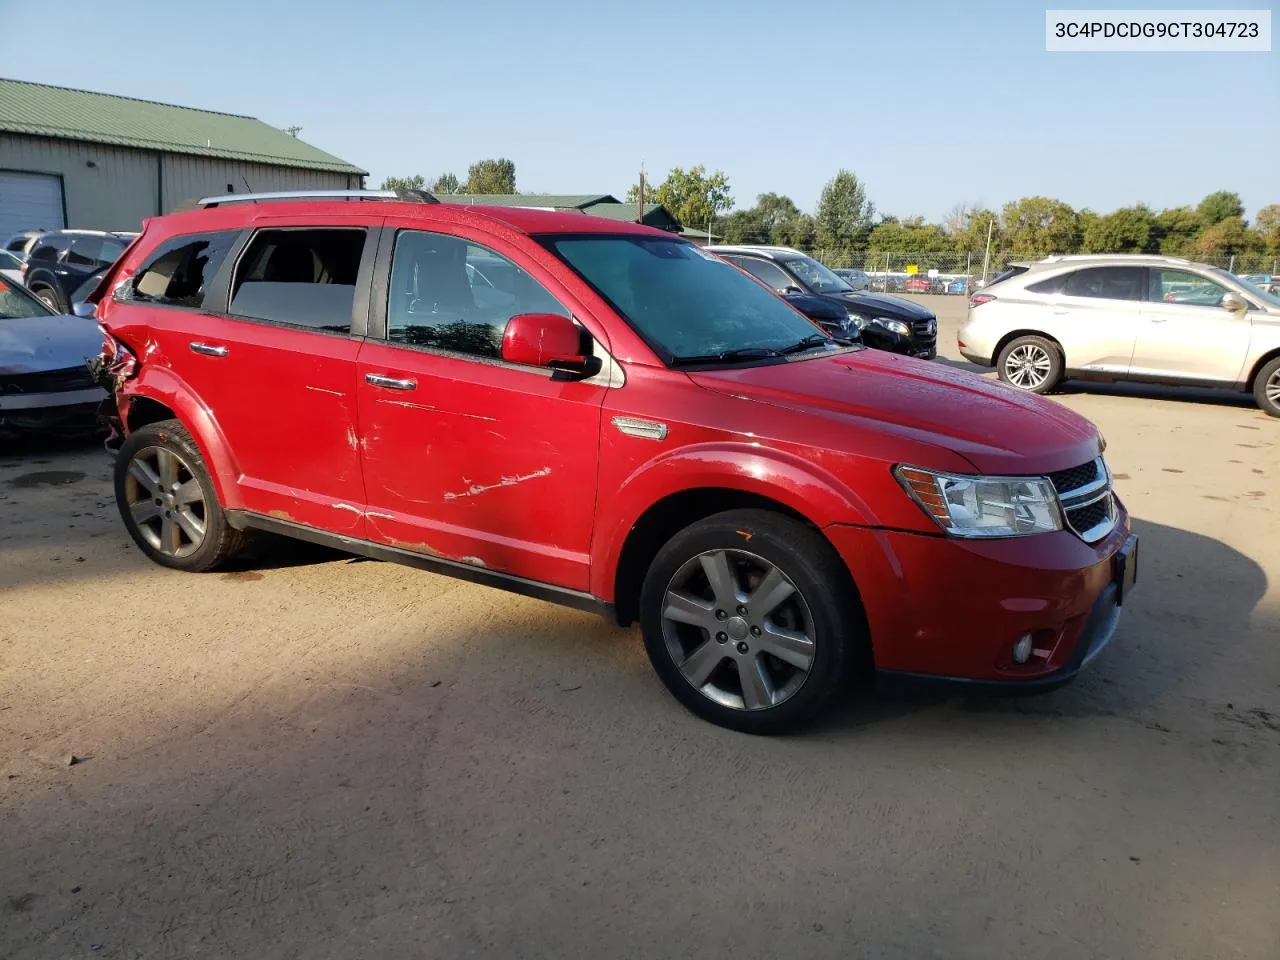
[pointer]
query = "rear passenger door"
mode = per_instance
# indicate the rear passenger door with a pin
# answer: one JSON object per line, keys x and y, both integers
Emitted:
{"x": 1095, "y": 313}
{"x": 264, "y": 327}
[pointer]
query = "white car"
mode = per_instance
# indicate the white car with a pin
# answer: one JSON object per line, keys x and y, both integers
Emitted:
{"x": 1125, "y": 317}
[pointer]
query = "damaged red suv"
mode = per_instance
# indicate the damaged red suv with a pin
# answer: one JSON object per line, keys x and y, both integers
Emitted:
{"x": 605, "y": 416}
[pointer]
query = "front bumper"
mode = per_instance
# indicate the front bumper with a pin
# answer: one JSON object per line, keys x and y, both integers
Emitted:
{"x": 952, "y": 609}
{"x": 879, "y": 338}
{"x": 61, "y": 413}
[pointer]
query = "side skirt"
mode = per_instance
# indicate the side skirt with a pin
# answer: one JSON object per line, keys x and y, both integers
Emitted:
{"x": 244, "y": 520}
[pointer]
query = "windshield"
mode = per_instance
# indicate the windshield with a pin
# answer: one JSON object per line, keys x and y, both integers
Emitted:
{"x": 816, "y": 277}
{"x": 685, "y": 302}
{"x": 1270, "y": 299}
{"x": 17, "y": 304}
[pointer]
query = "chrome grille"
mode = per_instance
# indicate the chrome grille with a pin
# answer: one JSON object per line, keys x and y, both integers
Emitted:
{"x": 925, "y": 329}
{"x": 1088, "y": 505}
{"x": 48, "y": 381}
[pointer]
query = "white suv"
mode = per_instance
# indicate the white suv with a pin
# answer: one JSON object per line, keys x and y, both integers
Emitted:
{"x": 1126, "y": 317}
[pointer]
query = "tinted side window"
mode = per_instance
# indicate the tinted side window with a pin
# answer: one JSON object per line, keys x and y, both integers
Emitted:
{"x": 772, "y": 276}
{"x": 1052, "y": 285}
{"x": 179, "y": 272}
{"x": 85, "y": 252}
{"x": 49, "y": 248}
{"x": 454, "y": 295}
{"x": 305, "y": 278}
{"x": 1182, "y": 286}
{"x": 1107, "y": 283}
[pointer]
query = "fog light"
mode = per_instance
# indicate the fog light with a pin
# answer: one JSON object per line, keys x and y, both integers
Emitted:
{"x": 1022, "y": 649}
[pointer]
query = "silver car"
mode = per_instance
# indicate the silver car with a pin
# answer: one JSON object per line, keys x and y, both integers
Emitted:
{"x": 1124, "y": 317}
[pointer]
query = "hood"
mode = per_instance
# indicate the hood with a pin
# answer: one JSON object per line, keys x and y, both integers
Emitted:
{"x": 817, "y": 308}
{"x": 40, "y": 344}
{"x": 998, "y": 429}
{"x": 880, "y": 305}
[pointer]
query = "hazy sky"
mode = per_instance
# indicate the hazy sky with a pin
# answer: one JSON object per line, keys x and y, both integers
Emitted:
{"x": 929, "y": 103}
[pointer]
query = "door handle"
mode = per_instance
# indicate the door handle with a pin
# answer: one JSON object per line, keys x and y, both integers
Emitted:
{"x": 391, "y": 383}
{"x": 208, "y": 349}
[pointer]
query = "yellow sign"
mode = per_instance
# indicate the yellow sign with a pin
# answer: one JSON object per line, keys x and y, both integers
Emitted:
{"x": 912, "y": 269}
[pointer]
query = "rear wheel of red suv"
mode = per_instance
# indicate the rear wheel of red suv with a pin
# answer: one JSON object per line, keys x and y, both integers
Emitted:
{"x": 749, "y": 621}
{"x": 167, "y": 500}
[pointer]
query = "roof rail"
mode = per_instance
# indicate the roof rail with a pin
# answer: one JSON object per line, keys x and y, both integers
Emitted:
{"x": 1059, "y": 257}
{"x": 411, "y": 196}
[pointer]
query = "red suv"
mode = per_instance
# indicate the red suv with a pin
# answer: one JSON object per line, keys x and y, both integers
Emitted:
{"x": 605, "y": 416}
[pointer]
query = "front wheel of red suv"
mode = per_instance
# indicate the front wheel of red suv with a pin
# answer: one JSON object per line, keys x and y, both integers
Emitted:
{"x": 749, "y": 618}
{"x": 167, "y": 500}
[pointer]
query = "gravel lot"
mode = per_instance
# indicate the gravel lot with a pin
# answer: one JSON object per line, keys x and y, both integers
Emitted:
{"x": 310, "y": 756}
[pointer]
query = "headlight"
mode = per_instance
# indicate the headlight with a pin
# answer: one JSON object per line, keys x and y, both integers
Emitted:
{"x": 969, "y": 506}
{"x": 857, "y": 321}
{"x": 896, "y": 326}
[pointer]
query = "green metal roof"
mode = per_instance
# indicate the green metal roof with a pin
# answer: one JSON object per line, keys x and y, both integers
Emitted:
{"x": 43, "y": 111}
{"x": 560, "y": 201}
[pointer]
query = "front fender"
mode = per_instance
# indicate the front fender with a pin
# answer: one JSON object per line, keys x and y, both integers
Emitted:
{"x": 163, "y": 386}
{"x": 795, "y": 483}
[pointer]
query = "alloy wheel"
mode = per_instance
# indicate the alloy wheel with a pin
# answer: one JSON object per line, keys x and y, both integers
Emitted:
{"x": 738, "y": 629}
{"x": 1028, "y": 366}
{"x": 1272, "y": 389}
{"x": 166, "y": 501}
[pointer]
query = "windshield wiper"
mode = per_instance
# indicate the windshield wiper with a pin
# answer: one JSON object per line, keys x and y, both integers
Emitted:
{"x": 727, "y": 356}
{"x": 808, "y": 343}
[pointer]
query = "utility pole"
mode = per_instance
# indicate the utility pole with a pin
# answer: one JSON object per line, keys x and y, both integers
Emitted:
{"x": 640, "y": 197}
{"x": 986, "y": 257}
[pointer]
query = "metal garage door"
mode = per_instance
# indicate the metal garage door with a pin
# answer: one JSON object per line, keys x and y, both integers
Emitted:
{"x": 29, "y": 201}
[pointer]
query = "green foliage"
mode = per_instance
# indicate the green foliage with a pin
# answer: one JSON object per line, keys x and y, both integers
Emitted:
{"x": 1220, "y": 206}
{"x": 843, "y": 217}
{"x": 1040, "y": 226}
{"x": 969, "y": 231}
{"x": 491, "y": 176}
{"x": 1176, "y": 230}
{"x": 1127, "y": 230}
{"x": 446, "y": 184}
{"x": 692, "y": 196}
{"x": 912, "y": 235}
{"x": 1229, "y": 237}
{"x": 416, "y": 182}
{"x": 1267, "y": 225}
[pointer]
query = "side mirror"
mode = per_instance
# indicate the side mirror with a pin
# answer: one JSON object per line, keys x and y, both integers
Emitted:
{"x": 791, "y": 291}
{"x": 549, "y": 340}
{"x": 1234, "y": 302}
{"x": 87, "y": 310}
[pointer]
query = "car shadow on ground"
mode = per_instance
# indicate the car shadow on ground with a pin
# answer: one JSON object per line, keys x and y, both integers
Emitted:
{"x": 1154, "y": 391}
{"x": 964, "y": 365}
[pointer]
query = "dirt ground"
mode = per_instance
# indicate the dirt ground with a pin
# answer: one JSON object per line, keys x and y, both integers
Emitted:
{"x": 310, "y": 756}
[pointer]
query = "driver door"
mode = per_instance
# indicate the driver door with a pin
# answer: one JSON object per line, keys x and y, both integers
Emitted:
{"x": 1186, "y": 334}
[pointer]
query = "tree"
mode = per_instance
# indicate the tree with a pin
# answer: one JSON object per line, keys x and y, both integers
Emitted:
{"x": 693, "y": 197}
{"x": 844, "y": 215}
{"x": 1226, "y": 238}
{"x": 912, "y": 235}
{"x": 1127, "y": 230}
{"x": 1176, "y": 230}
{"x": 446, "y": 184}
{"x": 1267, "y": 225}
{"x": 491, "y": 176}
{"x": 401, "y": 184}
{"x": 969, "y": 234}
{"x": 1040, "y": 226}
{"x": 1220, "y": 206}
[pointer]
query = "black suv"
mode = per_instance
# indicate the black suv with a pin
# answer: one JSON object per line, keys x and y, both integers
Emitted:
{"x": 61, "y": 260}
{"x": 886, "y": 323}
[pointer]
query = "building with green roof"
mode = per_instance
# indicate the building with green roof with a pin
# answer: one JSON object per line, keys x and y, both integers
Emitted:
{"x": 72, "y": 158}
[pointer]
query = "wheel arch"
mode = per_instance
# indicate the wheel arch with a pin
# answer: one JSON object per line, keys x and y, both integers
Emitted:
{"x": 1252, "y": 380}
{"x": 1008, "y": 338}
{"x": 156, "y": 395}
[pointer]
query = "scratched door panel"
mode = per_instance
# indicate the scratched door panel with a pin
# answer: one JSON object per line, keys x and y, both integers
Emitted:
{"x": 480, "y": 462}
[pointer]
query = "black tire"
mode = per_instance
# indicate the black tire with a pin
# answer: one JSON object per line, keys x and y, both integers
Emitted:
{"x": 1266, "y": 387}
{"x": 220, "y": 541}
{"x": 1036, "y": 346}
{"x": 49, "y": 297}
{"x": 802, "y": 555}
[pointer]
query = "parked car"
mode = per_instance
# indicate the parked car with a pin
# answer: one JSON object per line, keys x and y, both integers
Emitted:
{"x": 20, "y": 243}
{"x": 959, "y": 285}
{"x": 60, "y": 260}
{"x": 1125, "y": 317}
{"x": 642, "y": 431}
{"x": 45, "y": 386}
{"x": 856, "y": 279}
{"x": 918, "y": 285}
{"x": 10, "y": 267}
{"x": 886, "y": 323}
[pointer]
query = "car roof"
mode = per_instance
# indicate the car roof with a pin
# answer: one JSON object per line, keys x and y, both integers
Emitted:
{"x": 1107, "y": 260}
{"x": 762, "y": 250}
{"x": 523, "y": 219}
